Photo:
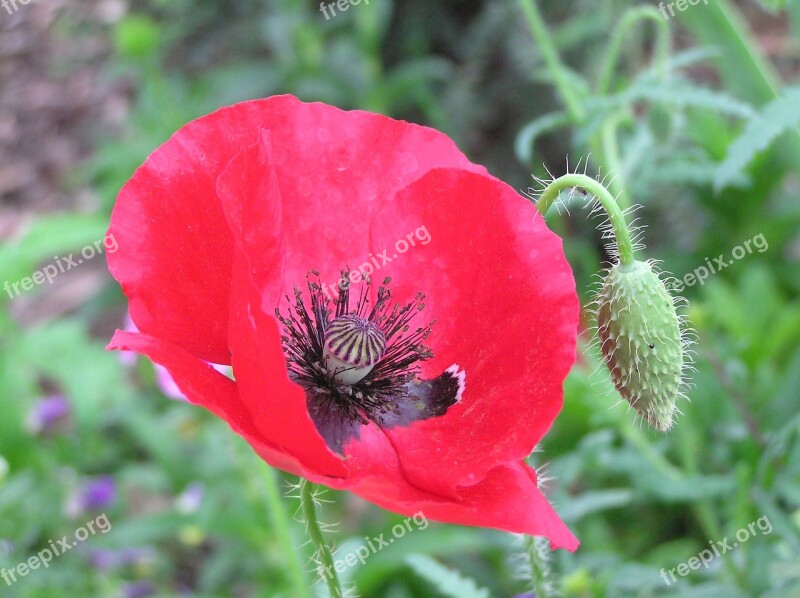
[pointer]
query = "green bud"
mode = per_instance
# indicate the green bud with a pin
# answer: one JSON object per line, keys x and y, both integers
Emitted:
{"x": 641, "y": 341}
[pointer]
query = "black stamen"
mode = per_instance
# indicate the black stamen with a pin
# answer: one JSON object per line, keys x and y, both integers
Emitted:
{"x": 390, "y": 394}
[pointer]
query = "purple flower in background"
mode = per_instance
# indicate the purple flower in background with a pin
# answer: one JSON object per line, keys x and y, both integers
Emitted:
{"x": 167, "y": 384}
{"x": 138, "y": 589}
{"x": 48, "y": 414}
{"x": 99, "y": 493}
{"x": 128, "y": 358}
{"x": 105, "y": 559}
{"x": 95, "y": 495}
{"x": 190, "y": 499}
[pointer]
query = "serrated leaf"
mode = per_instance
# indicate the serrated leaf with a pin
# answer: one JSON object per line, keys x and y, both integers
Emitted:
{"x": 447, "y": 581}
{"x": 776, "y": 117}
{"x": 681, "y": 94}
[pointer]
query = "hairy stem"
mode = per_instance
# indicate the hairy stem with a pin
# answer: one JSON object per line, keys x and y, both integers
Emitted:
{"x": 604, "y": 198}
{"x": 540, "y": 571}
{"x": 324, "y": 553}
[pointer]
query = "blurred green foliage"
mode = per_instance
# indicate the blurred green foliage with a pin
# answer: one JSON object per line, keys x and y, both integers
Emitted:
{"x": 692, "y": 125}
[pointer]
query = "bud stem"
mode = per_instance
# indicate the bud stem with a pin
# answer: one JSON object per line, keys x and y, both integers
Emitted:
{"x": 604, "y": 198}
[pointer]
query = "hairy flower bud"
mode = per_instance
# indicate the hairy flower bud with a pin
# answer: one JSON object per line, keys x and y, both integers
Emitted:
{"x": 641, "y": 341}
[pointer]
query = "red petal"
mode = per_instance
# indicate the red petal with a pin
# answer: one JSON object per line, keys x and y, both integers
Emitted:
{"x": 175, "y": 248}
{"x": 205, "y": 386}
{"x": 333, "y": 171}
{"x": 276, "y": 404}
{"x": 502, "y": 293}
{"x": 506, "y": 498}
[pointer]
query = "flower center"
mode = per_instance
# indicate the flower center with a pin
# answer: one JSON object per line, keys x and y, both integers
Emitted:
{"x": 353, "y": 346}
{"x": 359, "y": 364}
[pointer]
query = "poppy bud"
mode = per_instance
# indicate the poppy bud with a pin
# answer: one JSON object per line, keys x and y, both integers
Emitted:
{"x": 641, "y": 341}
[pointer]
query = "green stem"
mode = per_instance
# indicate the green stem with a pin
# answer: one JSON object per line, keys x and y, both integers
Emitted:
{"x": 745, "y": 70}
{"x": 613, "y": 161}
{"x": 609, "y": 147}
{"x": 315, "y": 534}
{"x": 604, "y": 198}
{"x": 702, "y": 509}
{"x": 552, "y": 60}
{"x": 630, "y": 18}
{"x": 539, "y": 569}
{"x": 280, "y": 522}
{"x": 636, "y": 437}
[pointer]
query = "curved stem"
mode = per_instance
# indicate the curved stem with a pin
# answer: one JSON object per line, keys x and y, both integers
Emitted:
{"x": 280, "y": 521}
{"x": 315, "y": 534}
{"x": 608, "y": 134}
{"x": 613, "y": 161}
{"x": 629, "y": 19}
{"x": 604, "y": 198}
{"x": 552, "y": 60}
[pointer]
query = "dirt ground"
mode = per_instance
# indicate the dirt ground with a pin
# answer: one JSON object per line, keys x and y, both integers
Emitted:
{"x": 55, "y": 99}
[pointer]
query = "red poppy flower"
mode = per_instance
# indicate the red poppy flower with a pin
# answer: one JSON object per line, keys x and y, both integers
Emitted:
{"x": 399, "y": 322}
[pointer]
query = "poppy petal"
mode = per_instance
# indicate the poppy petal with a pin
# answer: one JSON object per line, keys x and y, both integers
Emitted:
{"x": 506, "y": 498}
{"x": 203, "y": 385}
{"x": 332, "y": 171}
{"x": 506, "y": 313}
{"x": 276, "y": 404}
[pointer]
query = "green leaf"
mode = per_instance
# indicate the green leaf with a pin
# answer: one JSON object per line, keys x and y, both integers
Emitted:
{"x": 91, "y": 376}
{"x": 595, "y": 501}
{"x": 447, "y": 581}
{"x": 523, "y": 145}
{"x": 681, "y": 94}
{"x": 45, "y": 239}
{"x": 776, "y": 117}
